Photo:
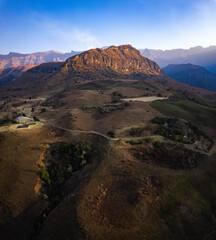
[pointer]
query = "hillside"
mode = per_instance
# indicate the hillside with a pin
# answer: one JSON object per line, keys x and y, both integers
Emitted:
{"x": 18, "y": 59}
{"x": 192, "y": 75}
{"x": 205, "y": 57}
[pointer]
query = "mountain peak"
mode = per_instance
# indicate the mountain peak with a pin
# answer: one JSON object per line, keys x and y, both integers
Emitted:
{"x": 123, "y": 59}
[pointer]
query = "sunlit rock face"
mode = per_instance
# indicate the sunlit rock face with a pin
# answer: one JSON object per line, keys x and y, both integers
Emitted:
{"x": 123, "y": 59}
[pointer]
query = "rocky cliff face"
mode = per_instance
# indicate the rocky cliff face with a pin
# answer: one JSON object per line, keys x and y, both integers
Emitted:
{"x": 123, "y": 60}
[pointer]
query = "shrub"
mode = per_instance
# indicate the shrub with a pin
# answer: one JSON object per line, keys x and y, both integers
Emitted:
{"x": 111, "y": 134}
{"x": 36, "y": 119}
{"x": 45, "y": 175}
{"x": 43, "y": 110}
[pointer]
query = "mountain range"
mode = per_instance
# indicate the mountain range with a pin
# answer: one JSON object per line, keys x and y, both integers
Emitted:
{"x": 17, "y": 59}
{"x": 205, "y": 57}
{"x": 122, "y": 62}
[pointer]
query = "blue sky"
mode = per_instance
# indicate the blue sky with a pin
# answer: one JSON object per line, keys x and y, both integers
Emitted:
{"x": 40, "y": 25}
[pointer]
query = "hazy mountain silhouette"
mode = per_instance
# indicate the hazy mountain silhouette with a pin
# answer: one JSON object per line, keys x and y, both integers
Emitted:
{"x": 17, "y": 59}
{"x": 193, "y": 75}
{"x": 205, "y": 57}
{"x": 11, "y": 74}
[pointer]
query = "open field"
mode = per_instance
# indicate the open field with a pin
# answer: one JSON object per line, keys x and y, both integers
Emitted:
{"x": 196, "y": 113}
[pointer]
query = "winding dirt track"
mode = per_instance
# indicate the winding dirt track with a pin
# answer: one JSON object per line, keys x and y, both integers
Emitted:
{"x": 83, "y": 131}
{"x": 123, "y": 139}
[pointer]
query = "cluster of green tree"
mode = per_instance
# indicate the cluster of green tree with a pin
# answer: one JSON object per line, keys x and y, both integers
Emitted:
{"x": 116, "y": 97}
{"x": 176, "y": 130}
{"x": 101, "y": 108}
{"x": 60, "y": 163}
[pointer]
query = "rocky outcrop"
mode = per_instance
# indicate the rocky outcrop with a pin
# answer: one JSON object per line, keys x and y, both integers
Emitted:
{"x": 123, "y": 60}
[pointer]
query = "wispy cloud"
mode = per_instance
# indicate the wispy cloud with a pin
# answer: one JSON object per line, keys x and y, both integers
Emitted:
{"x": 65, "y": 36}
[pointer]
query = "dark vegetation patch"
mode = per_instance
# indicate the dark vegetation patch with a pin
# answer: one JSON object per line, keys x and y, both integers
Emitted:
{"x": 61, "y": 161}
{"x": 54, "y": 101}
{"x": 116, "y": 97}
{"x": 111, "y": 134}
{"x": 140, "y": 141}
{"x": 142, "y": 131}
{"x": 101, "y": 108}
{"x": 180, "y": 131}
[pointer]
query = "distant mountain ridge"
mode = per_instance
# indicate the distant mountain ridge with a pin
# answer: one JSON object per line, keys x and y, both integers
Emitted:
{"x": 10, "y": 74}
{"x": 205, "y": 57}
{"x": 17, "y": 59}
{"x": 193, "y": 75}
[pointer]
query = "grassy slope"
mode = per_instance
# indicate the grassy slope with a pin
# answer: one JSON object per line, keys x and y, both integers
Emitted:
{"x": 188, "y": 110}
{"x": 19, "y": 152}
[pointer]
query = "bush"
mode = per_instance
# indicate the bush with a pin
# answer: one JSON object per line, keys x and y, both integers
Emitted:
{"x": 36, "y": 119}
{"x": 111, "y": 134}
{"x": 43, "y": 110}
